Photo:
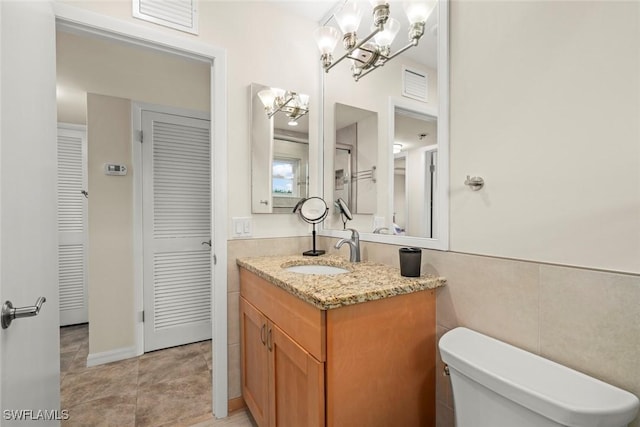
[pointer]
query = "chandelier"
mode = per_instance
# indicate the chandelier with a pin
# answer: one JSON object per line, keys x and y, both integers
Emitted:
{"x": 293, "y": 104}
{"x": 374, "y": 50}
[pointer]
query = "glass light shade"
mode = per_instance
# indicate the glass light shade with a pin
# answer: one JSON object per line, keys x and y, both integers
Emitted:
{"x": 267, "y": 97}
{"x": 418, "y": 11}
{"x": 327, "y": 38}
{"x": 386, "y": 36}
{"x": 293, "y": 122}
{"x": 304, "y": 100}
{"x": 349, "y": 18}
{"x": 397, "y": 148}
{"x": 279, "y": 93}
{"x": 375, "y": 3}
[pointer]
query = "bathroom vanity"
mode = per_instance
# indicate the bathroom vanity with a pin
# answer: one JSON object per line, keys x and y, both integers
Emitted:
{"x": 356, "y": 348}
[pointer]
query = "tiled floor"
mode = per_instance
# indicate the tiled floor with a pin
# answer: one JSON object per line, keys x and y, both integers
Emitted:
{"x": 169, "y": 387}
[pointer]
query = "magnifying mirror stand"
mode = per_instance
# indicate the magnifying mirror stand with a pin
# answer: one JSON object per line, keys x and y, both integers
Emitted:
{"x": 313, "y": 252}
{"x": 312, "y": 210}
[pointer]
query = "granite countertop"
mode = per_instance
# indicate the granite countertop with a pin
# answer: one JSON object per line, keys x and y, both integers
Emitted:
{"x": 366, "y": 281}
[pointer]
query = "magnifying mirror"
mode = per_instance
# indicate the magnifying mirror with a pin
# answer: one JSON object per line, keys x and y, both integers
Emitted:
{"x": 313, "y": 211}
{"x": 345, "y": 213}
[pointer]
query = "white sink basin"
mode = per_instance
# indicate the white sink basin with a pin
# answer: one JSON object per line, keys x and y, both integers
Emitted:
{"x": 327, "y": 270}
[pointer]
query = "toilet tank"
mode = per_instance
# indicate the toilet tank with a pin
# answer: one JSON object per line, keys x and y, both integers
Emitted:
{"x": 489, "y": 376}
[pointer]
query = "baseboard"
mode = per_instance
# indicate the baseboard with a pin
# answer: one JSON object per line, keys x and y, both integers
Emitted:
{"x": 95, "y": 359}
{"x": 236, "y": 404}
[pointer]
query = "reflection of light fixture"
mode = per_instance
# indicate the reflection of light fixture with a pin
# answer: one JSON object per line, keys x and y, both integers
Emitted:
{"x": 294, "y": 105}
{"x": 367, "y": 55}
{"x": 397, "y": 148}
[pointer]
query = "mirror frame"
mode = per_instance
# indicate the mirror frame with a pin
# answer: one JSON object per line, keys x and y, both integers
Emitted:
{"x": 442, "y": 112}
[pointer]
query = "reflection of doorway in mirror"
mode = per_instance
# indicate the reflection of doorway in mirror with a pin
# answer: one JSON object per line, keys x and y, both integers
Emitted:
{"x": 399, "y": 194}
{"x": 342, "y": 165}
{"x": 414, "y": 201}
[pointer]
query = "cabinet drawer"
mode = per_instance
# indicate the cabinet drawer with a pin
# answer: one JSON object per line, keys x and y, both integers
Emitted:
{"x": 303, "y": 322}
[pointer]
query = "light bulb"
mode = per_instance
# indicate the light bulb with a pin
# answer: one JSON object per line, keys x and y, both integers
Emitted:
{"x": 349, "y": 18}
{"x": 267, "y": 97}
{"x": 386, "y": 36}
{"x": 327, "y": 38}
{"x": 293, "y": 122}
{"x": 418, "y": 11}
{"x": 397, "y": 148}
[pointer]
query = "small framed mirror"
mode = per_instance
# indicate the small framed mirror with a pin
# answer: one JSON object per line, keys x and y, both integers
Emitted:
{"x": 279, "y": 148}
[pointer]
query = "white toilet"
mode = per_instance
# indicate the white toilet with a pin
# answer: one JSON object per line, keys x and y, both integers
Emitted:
{"x": 498, "y": 385}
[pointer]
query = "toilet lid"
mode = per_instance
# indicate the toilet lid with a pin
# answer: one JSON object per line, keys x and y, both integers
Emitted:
{"x": 555, "y": 391}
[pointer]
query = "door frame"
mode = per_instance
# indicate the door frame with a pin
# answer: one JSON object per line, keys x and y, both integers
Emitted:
{"x": 90, "y": 23}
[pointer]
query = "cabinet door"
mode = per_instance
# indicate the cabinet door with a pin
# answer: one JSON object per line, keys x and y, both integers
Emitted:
{"x": 296, "y": 383}
{"x": 255, "y": 361}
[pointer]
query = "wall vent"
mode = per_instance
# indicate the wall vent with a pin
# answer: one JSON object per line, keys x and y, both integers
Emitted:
{"x": 414, "y": 84}
{"x": 178, "y": 14}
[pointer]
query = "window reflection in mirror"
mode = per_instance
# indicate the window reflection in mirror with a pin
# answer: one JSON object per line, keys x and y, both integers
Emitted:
{"x": 279, "y": 157}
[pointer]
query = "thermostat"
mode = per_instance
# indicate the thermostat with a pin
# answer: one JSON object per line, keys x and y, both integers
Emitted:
{"x": 113, "y": 169}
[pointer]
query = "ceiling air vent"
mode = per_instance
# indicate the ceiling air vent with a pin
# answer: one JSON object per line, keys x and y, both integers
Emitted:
{"x": 179, "y": 14}
{"x": 414, "y": 84}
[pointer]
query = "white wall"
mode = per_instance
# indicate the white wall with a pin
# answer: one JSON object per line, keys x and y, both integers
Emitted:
{"x": 267, "y": 45}
{"x": 89, "y": 64}
{"x": 545, "y": 106}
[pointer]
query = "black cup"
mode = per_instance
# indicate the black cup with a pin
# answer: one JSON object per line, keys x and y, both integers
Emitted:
{"x": 410, "y": 260}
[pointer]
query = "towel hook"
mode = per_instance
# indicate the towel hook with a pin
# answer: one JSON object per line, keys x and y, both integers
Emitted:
{"x": 474, "y": 182}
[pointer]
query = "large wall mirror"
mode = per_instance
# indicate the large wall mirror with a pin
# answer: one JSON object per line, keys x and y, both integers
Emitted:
{"x": 385, "y": 132}
{"x": 279, "y": 149}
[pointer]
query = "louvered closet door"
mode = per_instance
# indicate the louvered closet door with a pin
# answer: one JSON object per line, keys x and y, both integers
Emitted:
{"x": 72, "y": 225}
{"x": 177, "y": 222}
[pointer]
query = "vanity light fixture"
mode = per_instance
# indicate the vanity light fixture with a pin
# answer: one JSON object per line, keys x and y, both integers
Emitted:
{"x": 367, "y": 55}
{"x": 293, "y": 104}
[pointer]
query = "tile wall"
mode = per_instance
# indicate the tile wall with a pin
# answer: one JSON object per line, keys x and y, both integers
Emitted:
{"x": 588, "y": 320}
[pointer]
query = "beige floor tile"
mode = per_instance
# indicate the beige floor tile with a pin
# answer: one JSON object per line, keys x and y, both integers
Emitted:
{"x": 111, "y": 411}
{"x": 113, "y": 379}
{"x": 171, "y": 365}
{"x": 240, "y": 418}
{"x": 181, "y": 399}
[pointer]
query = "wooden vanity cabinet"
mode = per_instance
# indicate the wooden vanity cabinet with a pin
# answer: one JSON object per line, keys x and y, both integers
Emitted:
{"x": 369, "y": 364}
{"x": 282, "y": 382}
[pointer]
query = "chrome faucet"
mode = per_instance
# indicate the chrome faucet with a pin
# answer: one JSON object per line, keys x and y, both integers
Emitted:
{"x": 354, "y": 245}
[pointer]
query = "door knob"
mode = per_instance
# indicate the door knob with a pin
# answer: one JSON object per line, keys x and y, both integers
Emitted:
{"x": 9, "y": 312}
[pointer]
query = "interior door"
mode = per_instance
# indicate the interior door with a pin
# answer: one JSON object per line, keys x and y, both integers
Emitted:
{"x": 72, "y": 224}
{"x": 177, "y": 229}
{"x": 29, "y": 347}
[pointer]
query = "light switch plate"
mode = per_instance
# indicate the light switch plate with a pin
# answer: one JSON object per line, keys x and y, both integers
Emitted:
{"x": 242, "y": 226}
